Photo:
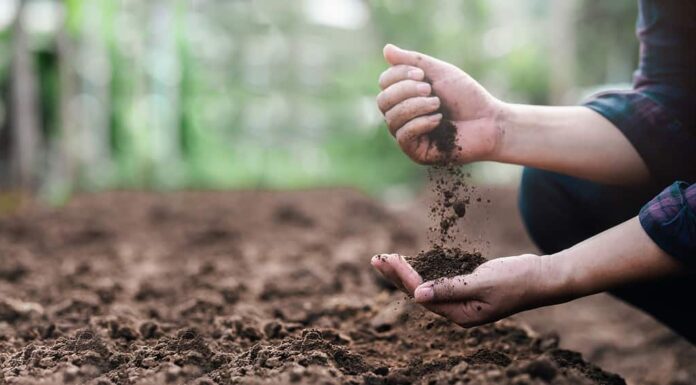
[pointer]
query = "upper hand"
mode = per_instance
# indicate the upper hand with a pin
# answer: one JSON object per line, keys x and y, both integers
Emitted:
{"x": 417, "y": 88}
{"x": 496, "y": 289}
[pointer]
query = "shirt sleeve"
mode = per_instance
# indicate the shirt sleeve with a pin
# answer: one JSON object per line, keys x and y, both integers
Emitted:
{"x": 664, "y": 143}
{"x": 670, "y": 221}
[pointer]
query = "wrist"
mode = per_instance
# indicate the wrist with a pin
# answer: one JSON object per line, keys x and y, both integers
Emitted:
{"x": 504, "y": 127}
{"x": 559, "y": 279}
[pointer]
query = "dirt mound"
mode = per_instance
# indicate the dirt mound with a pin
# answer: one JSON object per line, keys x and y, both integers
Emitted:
{"x": 237, "y": 288}
{"x": 445, "y": 262}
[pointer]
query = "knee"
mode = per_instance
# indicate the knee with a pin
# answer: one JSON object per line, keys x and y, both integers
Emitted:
{"x": 546, "y": 210}
{"x": 529, "y": 203}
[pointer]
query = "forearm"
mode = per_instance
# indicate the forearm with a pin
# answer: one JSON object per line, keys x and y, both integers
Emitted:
{"x": 570, "y": 140}
{"x": 621, "y": 255}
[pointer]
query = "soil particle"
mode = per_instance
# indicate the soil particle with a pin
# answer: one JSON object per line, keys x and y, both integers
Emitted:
{"x": 573, "y": 360}
{"x": 451, "y": 197}
{"x": 542, "y": 368}
{"x": 12, "y": 310}
{"x": 445, "y": 263}
{"x": 290, "y": 215}
{"x": 12, "y": 270}
{"x": 487, "y": 356}
{"x": 459, "y": 208}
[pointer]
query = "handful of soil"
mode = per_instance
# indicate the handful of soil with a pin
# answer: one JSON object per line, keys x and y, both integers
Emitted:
{"x": 445, "y": 262}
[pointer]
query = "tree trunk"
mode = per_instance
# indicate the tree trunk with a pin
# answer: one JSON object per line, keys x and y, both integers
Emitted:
{"x": 562, "y": 61}
{"x": 24, "y": 122}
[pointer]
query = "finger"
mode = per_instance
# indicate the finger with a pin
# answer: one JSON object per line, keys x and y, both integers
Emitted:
{"x": 379, "y": 262}
{"x": 407, "y": 136}
{"x": 460, "y": 288}
{"x": 409, "y": 277}
{"x": 398, "y": 73}
{"x": 409, "y": 109}
{"x": 400, "y": 91}
{"x": 395, "y": 55}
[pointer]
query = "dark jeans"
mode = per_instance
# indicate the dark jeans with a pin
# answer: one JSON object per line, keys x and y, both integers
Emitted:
{"x": 560, "y": 211}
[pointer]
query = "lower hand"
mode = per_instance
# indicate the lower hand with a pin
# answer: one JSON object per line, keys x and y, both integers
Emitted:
{"x": 496, "y": 289}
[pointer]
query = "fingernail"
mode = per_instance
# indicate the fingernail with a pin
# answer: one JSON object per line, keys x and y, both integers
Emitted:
{"x": 424, "y": 294}
{"x": 435, "y": 101}
{"x": 423, "y": 88}
{"x": 436, "y": 117}
{"x": 416, "y": 74}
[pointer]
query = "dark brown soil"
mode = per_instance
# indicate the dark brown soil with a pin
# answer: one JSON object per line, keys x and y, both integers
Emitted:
{"x": 445, "y": 263}
{"x": 451, "y": 197}
{"x": 444, "y": 137}
{"x": 234, "y": 288}
{"x": 448, "y": 183}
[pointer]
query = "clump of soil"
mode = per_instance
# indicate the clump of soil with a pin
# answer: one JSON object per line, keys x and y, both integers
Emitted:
{"x": 260, "y": 299}
{"x": 445, "y": 262}
{"x": 444, "y": 136}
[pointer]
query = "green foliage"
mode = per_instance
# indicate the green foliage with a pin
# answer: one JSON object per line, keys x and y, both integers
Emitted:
{"x": 219, "y": 94}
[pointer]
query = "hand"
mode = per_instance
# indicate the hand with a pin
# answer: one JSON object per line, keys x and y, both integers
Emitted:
{"x": 496, "y": 289}
{"x": 417, "y": 89}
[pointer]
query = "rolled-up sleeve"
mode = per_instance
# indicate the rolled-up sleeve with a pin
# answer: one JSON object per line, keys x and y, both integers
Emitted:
{"x": 670, "y": 221}
{"x": 664, "y": 143}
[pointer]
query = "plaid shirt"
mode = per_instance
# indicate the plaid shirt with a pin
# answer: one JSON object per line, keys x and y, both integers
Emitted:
{"x": 658, "y": 116}
{"x": 670, "y": 220}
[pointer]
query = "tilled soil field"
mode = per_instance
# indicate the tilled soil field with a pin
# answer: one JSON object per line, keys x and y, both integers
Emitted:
{"x": 238, "y": 288}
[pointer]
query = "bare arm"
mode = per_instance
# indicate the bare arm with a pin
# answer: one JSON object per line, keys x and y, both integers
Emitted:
{"x": 570, "y": 140}
{"x": 621, "y": 255}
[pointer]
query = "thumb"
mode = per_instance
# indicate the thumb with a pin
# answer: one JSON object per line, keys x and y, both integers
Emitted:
{"x": 395, "y": 55}
{"x": 459, "y": 288}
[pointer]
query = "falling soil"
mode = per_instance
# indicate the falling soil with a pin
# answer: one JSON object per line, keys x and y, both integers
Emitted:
{"x": 445, "y": 263}
{"x": 233, "y": 288}
{"x": 452, "y": 194}
{"x": 451, "y": 197}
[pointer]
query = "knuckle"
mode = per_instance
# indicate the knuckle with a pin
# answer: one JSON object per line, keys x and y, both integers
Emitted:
{"x": 382, "y": 101}
{"x": 400, "y": 138}
{"x": 384, "y": 78}
{"x": 380, "y": 81}
{"x": 408, "y": 84}
{"x": 390, "y": 117}
{"x": 399, "y": 115}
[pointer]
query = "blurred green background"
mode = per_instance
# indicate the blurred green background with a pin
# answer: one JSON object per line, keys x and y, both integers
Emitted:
{"x": 171, "y": 94}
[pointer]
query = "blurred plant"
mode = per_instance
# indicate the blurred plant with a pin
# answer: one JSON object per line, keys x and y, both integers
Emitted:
{"x": 171, "y": 94}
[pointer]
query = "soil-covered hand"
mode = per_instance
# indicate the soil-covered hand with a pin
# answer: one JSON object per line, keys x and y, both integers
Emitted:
{"x": 496, "y": 289}
{"x": 417, "y": 90}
